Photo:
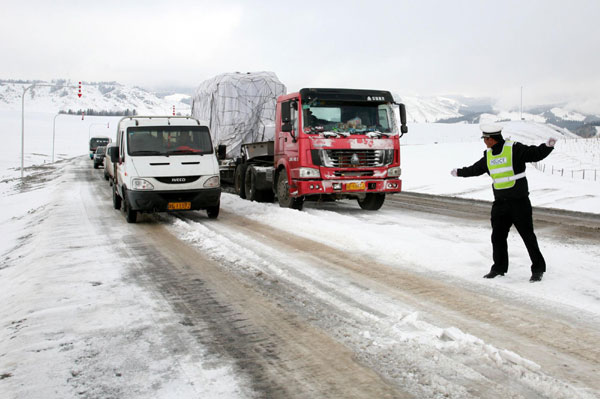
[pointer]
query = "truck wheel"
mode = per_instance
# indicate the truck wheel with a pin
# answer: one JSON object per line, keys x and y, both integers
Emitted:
{"x": 250, "y": 184}
{"x": 372, "y": 201}
{"x": 213, "y": 211}
{"x": 239, "y": 180}
{"x": 116, "y": 198}
{"x": 283, "y": 193}
{"x": 130, "y": 214}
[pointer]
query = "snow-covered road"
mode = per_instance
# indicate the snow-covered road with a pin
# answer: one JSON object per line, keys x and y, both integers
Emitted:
{"x": 270, "y": 302}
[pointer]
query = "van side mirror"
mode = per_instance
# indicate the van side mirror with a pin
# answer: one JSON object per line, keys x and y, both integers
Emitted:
{"x": 113, "y": 153}
{"x": 222, "y": 151}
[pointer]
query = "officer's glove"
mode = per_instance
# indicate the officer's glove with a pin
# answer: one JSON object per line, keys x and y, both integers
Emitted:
{"x": 551, "y": 142}
{"x": 454, "y": 172}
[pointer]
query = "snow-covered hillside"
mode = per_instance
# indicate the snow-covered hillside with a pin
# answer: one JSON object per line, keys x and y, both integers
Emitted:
{"x": 97, "y": 96}
{"x": 429, "y": 109}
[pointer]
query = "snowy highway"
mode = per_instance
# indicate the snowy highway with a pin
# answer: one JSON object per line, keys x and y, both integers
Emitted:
{"x": 332, "y": 301}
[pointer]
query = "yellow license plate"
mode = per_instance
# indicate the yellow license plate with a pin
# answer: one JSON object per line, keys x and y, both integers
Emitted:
{"x": 355, "y": 186}
{"x": 179, "y": 206}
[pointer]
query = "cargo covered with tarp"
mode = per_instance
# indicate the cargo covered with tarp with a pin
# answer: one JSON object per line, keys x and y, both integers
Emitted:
{"x": 239, "y": 108}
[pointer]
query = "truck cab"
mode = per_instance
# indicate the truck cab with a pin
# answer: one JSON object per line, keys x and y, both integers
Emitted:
{"x": 337, "y": 143}
{"x": 164, "y": 164}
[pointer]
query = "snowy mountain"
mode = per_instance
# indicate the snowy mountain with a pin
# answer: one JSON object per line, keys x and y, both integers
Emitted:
{"x": 113, "y": 96}
{"x": 98, "y": 96}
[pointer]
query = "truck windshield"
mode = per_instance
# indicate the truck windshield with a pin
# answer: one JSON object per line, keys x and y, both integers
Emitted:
{"x": 348, "y": 118}
{"x": 168, "y": 140}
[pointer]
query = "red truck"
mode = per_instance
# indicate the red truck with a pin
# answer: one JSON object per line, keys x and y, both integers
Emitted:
{"x": 316, "y": 144}
{"x": 329, "y": 144}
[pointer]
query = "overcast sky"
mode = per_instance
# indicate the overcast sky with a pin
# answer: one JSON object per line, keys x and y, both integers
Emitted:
{"x": 475, "y": 48}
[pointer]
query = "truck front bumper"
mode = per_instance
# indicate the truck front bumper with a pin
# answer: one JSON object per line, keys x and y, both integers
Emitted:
{"x": 345, "y": 187}
{"x": 158, "y": 201}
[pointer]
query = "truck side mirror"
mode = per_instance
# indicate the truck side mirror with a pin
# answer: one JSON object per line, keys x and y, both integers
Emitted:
{"x": 403, "y": 127}
{"x": 286, "y": 114}
{"x": 286, "y": 127}
{"x": 222, "y": 151}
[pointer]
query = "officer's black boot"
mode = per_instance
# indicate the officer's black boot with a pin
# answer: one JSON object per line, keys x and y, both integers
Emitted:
{"x": 493, "y": 274}
{"x": 536, "y": 277}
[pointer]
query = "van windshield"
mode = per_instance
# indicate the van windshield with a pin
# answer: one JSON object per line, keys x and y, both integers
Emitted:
{"x": 168, "y": 140}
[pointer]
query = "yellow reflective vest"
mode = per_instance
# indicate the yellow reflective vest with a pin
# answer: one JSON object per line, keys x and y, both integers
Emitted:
{"x": 501, "y": 167}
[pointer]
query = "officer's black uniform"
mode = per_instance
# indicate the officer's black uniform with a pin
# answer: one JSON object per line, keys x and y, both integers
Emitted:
{"x": 512, "y": 205}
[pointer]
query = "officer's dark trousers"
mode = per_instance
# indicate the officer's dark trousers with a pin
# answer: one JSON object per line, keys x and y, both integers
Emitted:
{"x": 505, "y": 213}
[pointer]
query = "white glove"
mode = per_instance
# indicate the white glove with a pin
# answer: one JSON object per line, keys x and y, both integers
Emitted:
{"x": 551, "y": 141}
{"x": 454, "y": 172}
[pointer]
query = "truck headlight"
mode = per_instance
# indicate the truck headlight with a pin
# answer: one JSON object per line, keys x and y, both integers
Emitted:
{"x": 212, "y": 182}
{"x": 309, "y": 173}
{"x": 141, "y": 184}
{"x": 396, "y": 171}
{"x": 388, "y": 157}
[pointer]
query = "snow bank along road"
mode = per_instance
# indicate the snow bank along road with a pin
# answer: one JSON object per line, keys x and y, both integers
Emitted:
{"x": 301, "y": 317}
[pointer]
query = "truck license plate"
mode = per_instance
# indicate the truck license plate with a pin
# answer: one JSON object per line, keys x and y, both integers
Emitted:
{"x": 355, "y": 186}
{"x": 179, "y": 206}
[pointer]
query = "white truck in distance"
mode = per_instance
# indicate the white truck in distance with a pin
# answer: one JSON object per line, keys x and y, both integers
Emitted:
{"x": 164, "y": 164}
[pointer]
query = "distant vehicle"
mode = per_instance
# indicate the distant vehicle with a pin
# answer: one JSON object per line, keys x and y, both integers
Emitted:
{"x": 164, "y": 164}
{"x": 109, "y": 167}
{"x": 99, "y": 156}
{"x": 97, "y": 141}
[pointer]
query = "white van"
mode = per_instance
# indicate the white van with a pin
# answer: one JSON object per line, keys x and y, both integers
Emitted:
{"x": 109, "y": 167}
{"x": 164, "y": 163}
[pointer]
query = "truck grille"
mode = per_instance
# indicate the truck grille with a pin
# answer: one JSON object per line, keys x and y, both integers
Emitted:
{"x": 353, "y": 173}
{"x": 356, "y": 158}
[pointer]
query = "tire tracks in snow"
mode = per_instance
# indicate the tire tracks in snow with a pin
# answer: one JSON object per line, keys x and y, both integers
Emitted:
{"x": 564, "y": 348}
{"x": 283, "y": 356}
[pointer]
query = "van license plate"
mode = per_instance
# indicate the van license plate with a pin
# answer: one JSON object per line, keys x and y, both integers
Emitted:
{"x": 179, "y": 206}
{"x": 355, "y": 186}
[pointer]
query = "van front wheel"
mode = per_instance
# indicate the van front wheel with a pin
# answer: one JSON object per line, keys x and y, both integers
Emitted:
{"x": 130, "y": 214}
{"x": 213, "y": 211}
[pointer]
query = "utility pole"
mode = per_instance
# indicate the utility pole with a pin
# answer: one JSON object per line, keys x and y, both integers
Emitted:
{"x": 521, "y": 102}
{"x": 23, "y": 118}
{"x": 53, "y": 135}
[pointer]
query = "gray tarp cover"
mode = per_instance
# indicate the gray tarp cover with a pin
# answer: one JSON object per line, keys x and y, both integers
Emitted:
{"x": 238, "y": 107}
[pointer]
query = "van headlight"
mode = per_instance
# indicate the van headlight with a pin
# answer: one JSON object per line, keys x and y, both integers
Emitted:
{"x": 309, "y": 173}
{"x": 395, "y": 171}
{"x": 141, "y": 184}
{"x": 212, "y": 182}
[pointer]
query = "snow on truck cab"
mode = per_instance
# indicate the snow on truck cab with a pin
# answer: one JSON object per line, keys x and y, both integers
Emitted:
{"x": 164, "y": 164}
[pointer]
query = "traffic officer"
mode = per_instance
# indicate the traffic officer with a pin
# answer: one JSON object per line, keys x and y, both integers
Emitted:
{"x": 505, "y": 161}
